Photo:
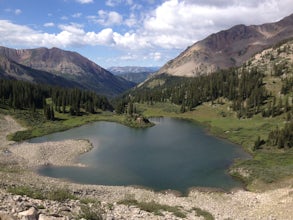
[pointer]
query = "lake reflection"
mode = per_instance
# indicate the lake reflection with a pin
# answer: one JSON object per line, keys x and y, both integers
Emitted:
{"x": 175, "y": 154}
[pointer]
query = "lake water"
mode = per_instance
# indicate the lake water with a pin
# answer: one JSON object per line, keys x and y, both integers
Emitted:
{"x": 175, "y": 154}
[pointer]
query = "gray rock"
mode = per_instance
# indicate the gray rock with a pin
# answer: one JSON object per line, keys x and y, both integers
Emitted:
{"x": 6, "y": 217}
{"x": 45, "y": 217}
{"x": 30, "y": 214}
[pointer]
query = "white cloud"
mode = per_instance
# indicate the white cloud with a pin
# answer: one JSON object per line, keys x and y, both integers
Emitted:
{"x": 131, "y": 40}
{"x": 110, "y": 18}
{"x": 77, "y": 15}
{"x": 49, "y": 24}
{"x": 171, "y": 26}
{"x": 85, "y": 1}
{"x": 17, "y": 11}
{"x": 131, "y": 21}
{"x": 73, "y": 28}
{"x": 104, "y": 37}
{"x": 114, "y": 3}
{"x": 177, "y": 24}
{"x": 69, "y": 35}
{"x": 155, "y": 56}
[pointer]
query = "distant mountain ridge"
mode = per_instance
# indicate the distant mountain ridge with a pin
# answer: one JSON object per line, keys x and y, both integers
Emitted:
{"x": 67, "y": 66}
{"x": 228, "y": 48}
{"x": 135, "y": 74}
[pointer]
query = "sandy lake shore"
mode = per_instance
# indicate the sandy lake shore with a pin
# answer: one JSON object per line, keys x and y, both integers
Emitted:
{"x": 275, "y": 203}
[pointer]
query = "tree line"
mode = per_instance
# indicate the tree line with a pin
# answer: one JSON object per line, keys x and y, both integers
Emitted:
{"x": 282, "y": 138}
{"x": 245, "y": 89}
{"x": 78, "y": 99}
{"x": 25, "y": 95}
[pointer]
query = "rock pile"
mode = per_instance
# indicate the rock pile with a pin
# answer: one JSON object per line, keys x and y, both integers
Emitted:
{"x": 25, "y": 208}
{"x": 16, "y": 207}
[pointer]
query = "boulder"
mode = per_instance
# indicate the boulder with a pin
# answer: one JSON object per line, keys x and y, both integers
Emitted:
{"x": 45, "y": 217}
{"x": 30, "y": 214}
{"x": 6, "y": 217}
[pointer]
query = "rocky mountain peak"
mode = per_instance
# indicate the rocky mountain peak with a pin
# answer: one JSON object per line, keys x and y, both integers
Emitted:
{"x": 228, "y": 48}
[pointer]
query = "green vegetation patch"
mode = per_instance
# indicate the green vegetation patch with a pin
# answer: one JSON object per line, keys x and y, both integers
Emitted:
{"x": 207, "y": 215}
{"x": 89, "y": 201}
{"x": 38, "y": 126}
{"x": 267, "y": 167}
{"x": 59, "y": 195}
{"x": 26, "y": 191}
{"x": 91, "y": 213}
{"x": 154, "y": 207}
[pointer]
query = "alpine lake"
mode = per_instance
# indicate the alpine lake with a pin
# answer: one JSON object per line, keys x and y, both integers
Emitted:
{"x": 174, "y": 154}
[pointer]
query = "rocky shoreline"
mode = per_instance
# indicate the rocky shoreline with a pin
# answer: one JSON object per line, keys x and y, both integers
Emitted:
{"x": 18, "y": 161}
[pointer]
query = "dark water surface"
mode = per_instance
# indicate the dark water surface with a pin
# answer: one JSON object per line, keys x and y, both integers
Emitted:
{"x": 175, "y": 154}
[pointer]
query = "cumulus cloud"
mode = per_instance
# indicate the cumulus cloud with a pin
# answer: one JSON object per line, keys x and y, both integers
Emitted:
{"x": 104, "y": 37}
{"x": 177, "y": 24}
{"x": 110, "y": 18}
{"x": 131, "y": 40}
{"x": 131, "y": 21}
{"x": 73, "y": 28}
{"x": 69, "y": 35}
{"x": 173, "y": 24}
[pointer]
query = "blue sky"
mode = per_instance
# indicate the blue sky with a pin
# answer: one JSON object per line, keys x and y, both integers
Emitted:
{"x": 127, "y": 32}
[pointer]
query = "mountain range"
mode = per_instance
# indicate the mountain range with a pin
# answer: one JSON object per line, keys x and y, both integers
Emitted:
{"x": 135, "y": 74}
{"x": 222, "y": 50}
{"x": 228, "y": 48}
{"x": 59, "y": 67}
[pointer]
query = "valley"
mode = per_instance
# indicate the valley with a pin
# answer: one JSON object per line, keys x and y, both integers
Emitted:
{"x": 232, "y": 91}
{"x": 52, "y": 196}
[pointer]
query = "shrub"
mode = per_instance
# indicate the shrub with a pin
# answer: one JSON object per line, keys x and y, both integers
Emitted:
{"x": 203, "y": 213}
{"x": 90, "y": 213}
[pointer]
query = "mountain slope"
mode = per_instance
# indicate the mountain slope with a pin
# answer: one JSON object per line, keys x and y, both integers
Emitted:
{"x": 12, "y": 70}
{"x": 69, "y": 65}
{"x": 133, "y": 73}
{"x": 274, "y": 65}
{"x": 228, "y": 48}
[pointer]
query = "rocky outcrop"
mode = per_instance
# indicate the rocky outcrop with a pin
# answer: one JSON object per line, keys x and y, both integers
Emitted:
{"x": 14, "y": 207}
{"x": 25, "y": 208}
